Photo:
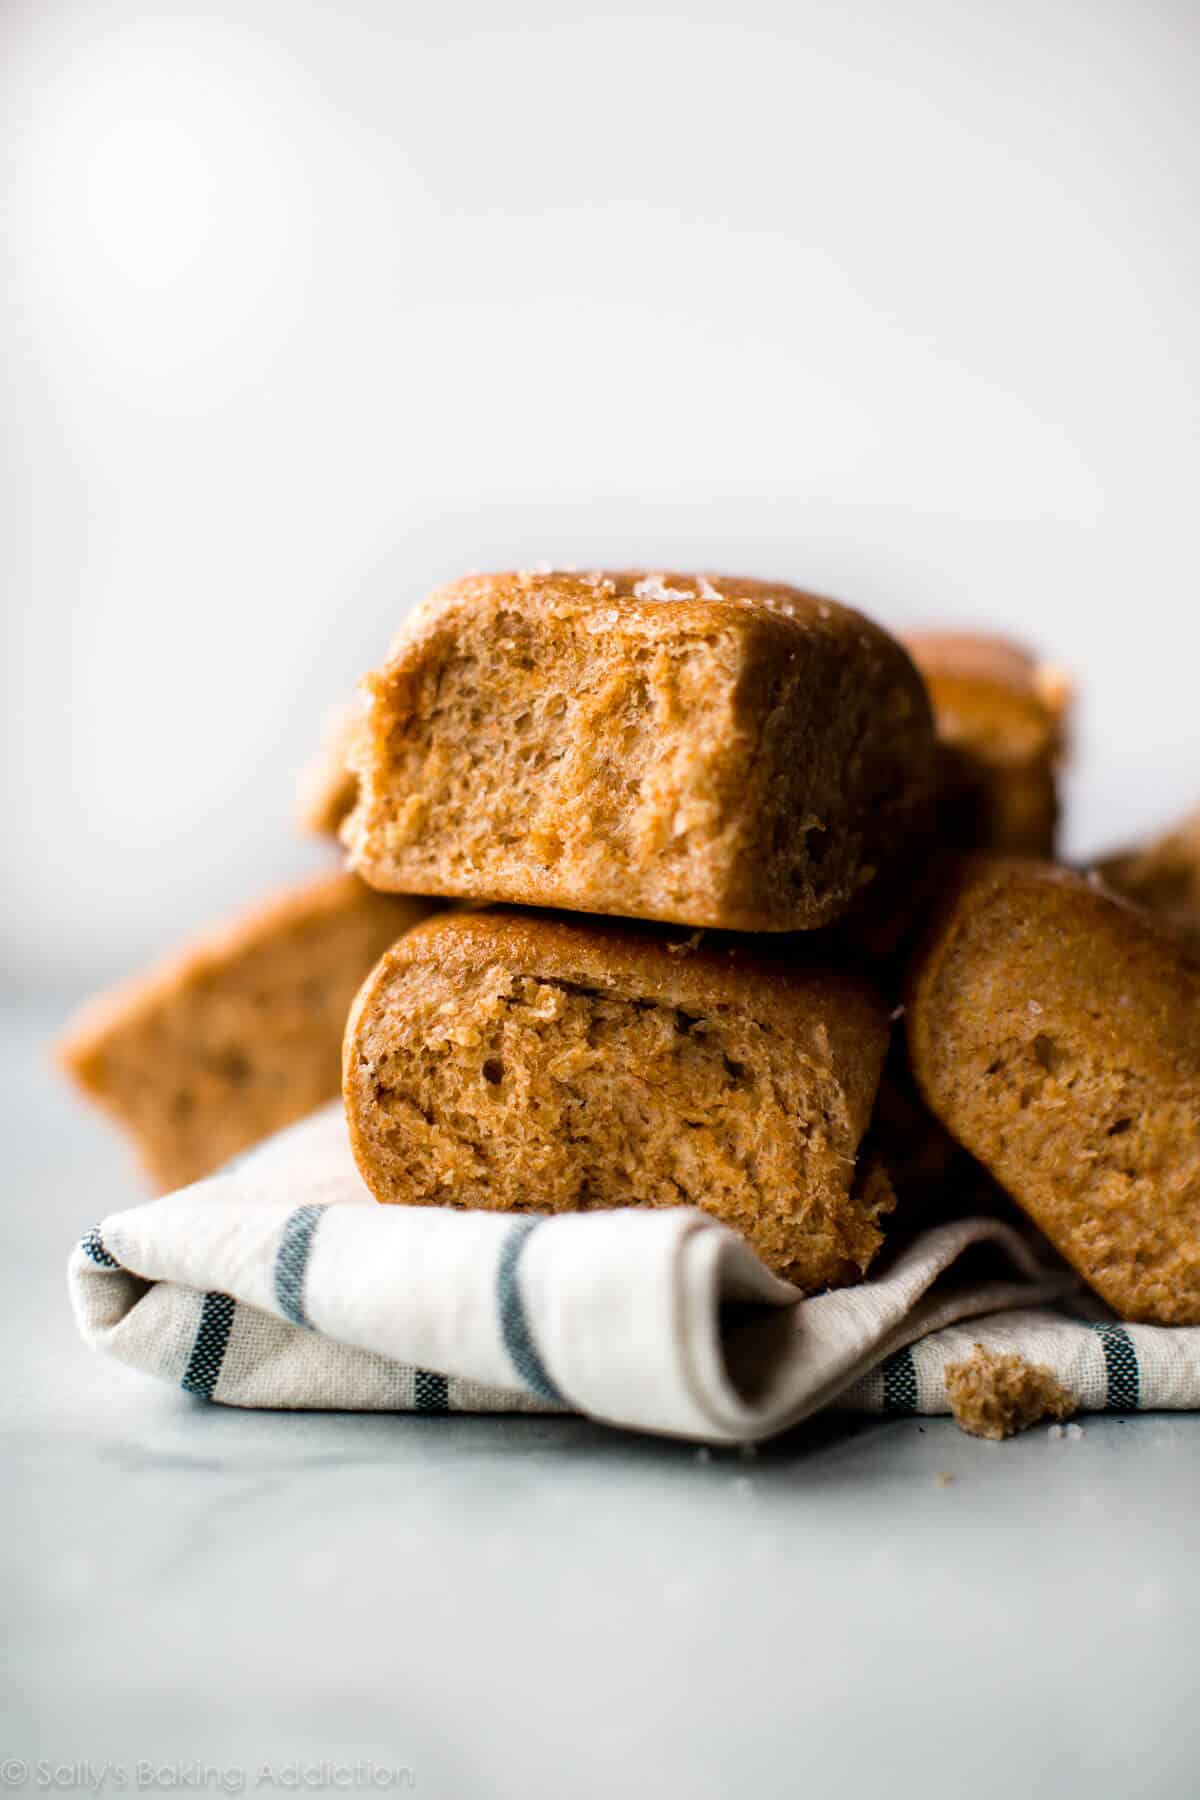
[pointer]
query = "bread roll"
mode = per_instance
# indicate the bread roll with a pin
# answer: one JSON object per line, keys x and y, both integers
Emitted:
{"x": 528, "y": 1063}
{"x": 240, "y": 1032}
{"x": 1163, "y": 875}
{"x": 724, "y": 753}
{"x": 1000, "y": 718}
{"x": 1055, "y": 1031}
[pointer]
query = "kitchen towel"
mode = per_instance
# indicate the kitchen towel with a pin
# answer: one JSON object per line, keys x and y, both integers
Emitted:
{"x": 278, "y": 1282}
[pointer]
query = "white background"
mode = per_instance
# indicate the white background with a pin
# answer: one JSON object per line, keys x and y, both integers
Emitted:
{"x": 305, "y": 307}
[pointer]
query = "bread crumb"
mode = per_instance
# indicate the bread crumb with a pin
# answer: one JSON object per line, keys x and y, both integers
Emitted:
{"x": 945, "y": 1479}
{"x": 994, "y": 1394}
{"x": 1074, "y": 1431}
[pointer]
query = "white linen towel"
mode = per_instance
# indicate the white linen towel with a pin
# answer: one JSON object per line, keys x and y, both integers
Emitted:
{"x": 278, "y": 1282}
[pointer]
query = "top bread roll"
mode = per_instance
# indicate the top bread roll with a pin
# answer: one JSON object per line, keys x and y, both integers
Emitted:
{"x": 706, "y": 752}
{"x": 1000, "y": 717}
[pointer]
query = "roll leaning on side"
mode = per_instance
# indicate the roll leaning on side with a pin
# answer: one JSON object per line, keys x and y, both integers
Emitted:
{"x": 1055, "y": 1032}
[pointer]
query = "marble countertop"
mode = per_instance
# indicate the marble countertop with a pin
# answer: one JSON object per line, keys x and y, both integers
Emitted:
{"x": 513, "y": 1607}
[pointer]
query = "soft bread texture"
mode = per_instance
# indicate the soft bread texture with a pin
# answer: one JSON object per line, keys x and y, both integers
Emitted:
{"x": 1055, "y": 1031}
{"x": 709, "y": 752}
{"x": 1001, "y": 724}
{"x": 536, "y": 1064}
{"x": 238, "y": 1034}
{"x": 1164, "y": 876}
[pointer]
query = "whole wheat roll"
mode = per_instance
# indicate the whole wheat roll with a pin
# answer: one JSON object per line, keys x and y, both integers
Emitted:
{"x": 1055, "y": 1031}
{"x": 522, "y": 1062}
{"x": 237, "y": 1033}
{"x": 705, "y": 751}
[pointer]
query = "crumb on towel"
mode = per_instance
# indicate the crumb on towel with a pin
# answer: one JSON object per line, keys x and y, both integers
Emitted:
{"x": 994, "y": 1394}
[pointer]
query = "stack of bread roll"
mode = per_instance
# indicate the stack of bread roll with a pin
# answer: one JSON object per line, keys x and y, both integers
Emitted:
{"x": 676, "y": 890}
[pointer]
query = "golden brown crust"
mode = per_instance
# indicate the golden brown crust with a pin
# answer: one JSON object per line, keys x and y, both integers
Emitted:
{"x": 645, "y": 961}
{"x": 238, "y": 1033}
{"x": 1055, "y": 1031}
{"x": 1001, "y": 720}
{"x": 995, "y": 664}
{"x": 520, "y": 1061}
{"x": 713, "y": 752}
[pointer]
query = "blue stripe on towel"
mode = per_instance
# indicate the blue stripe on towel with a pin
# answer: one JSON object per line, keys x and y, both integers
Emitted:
{"x": 208, "y": 1352}
{"x": 92, "y": 1246}
{"x": 431, "y": 1393}
{"x": 518, "y": 1339}
{"x": 291, "y": 1262}
{"x": 1120, "y": 1359}
{"x": 899, "y": 1382}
